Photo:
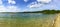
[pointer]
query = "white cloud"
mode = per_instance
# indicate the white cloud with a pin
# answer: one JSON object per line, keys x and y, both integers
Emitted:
{"x": 53, "y": 6}
{"x": 34, "y": 5}
{"x": 38, "y": 3}
{"x": 13, "y": 9}
{"x": 11, "y": 2}
{"x": 2, "y": 8}
{"x": 1, "y": 2}
{"x": 44, "y": 1}
{"x": 25, "y": 0}
{"x": 9, "y": 9}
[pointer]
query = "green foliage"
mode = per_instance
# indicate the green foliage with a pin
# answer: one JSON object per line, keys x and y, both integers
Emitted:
{"x": 45, "y": 11}
{"x": 50, "y": 11}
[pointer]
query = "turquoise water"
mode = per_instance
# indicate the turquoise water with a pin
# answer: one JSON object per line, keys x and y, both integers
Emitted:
{"x": 26, "y": 20}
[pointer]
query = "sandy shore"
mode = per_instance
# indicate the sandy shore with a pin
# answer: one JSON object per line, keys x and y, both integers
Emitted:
{"x": 57, "y": 21}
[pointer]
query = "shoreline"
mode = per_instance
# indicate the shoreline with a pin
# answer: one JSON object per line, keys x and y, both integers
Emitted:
{"x": 56, "y": 22}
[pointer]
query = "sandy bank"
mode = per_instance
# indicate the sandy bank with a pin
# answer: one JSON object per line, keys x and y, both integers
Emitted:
{"x": 57, "y": 21}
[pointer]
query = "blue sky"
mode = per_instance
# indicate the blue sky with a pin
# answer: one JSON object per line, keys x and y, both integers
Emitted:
{"x": 28, "y": 5}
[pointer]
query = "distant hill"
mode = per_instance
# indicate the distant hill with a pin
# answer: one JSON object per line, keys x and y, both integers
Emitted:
{"x": 45, "y": 11}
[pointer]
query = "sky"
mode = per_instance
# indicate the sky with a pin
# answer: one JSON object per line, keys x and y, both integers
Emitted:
{"x": 28, "y": 5}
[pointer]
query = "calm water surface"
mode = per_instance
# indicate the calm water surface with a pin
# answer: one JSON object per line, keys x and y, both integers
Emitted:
{"x": 26, "y": 20}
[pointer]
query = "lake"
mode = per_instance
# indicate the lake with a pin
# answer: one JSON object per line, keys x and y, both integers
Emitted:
{"x": 26, "y": 20}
